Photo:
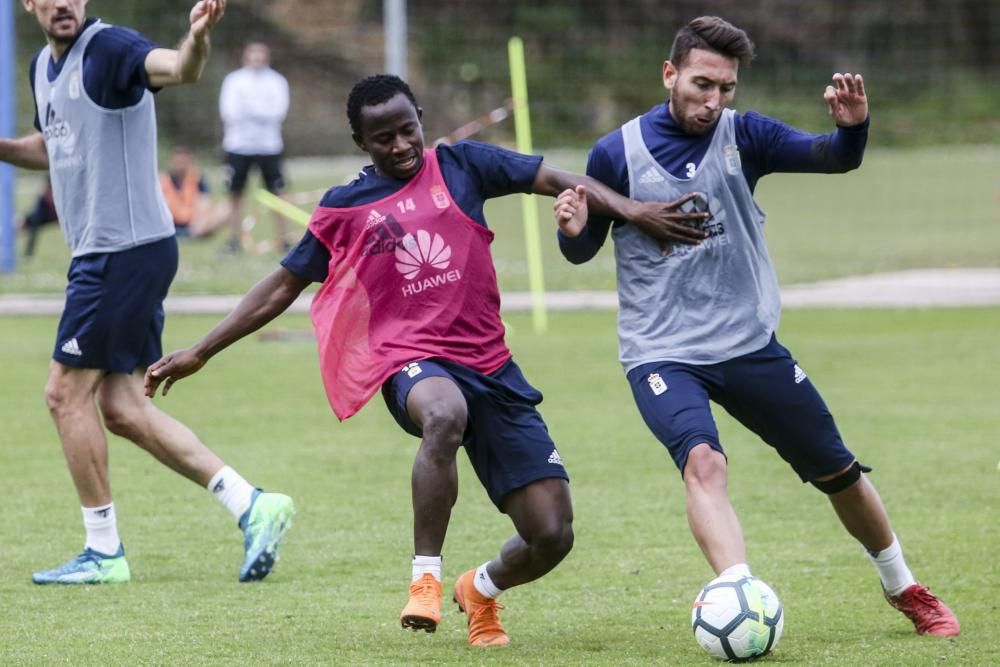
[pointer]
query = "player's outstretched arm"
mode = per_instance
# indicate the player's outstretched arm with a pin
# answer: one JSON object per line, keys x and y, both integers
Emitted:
{"x": 169, "y": 67}
{"x": 664, "y": 221}
{"x": 26, "y": 152}
{"x": 846, "y": 100}
{"x": 265, "y": 301}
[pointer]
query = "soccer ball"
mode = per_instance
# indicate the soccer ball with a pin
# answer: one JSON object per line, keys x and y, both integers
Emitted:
{"x": 737, "y": 617}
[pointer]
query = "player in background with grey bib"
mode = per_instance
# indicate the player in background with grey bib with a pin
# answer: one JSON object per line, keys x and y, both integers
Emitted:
{"x": 96, "y": 123}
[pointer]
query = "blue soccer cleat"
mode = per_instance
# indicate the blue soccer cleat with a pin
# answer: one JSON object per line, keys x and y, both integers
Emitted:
{"x": 90, "y": 567}
{"x": 263, "y": 525}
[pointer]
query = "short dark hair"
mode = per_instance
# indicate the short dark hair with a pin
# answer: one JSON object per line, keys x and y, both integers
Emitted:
{"x": 373, "y": 91}
{"x": 711, "y": 33}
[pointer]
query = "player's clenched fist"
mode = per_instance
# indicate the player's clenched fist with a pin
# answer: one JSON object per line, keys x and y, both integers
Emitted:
{"x": 571, "y": 210}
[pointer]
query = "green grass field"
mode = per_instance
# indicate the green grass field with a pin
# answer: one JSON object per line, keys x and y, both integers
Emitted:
{"x": 914, "y": 392}
{"x": 899, "y": 211}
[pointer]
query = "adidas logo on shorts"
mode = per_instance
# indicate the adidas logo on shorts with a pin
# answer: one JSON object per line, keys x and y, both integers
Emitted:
{"x": 555, "y": 458}
{"x": 72, "y": 347}
{"x": 800, "y": 374}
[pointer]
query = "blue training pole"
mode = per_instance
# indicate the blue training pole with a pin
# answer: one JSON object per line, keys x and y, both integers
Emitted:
{"x": 8, "y": 244}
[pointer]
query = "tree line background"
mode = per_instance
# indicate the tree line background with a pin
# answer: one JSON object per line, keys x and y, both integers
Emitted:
{"x": 931, "y": 66}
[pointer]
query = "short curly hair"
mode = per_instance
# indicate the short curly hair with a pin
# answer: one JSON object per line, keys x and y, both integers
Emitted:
{"x": 372, "y": 91}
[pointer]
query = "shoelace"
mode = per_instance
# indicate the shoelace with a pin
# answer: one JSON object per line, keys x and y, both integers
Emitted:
{"x": 930, "y": 612}
{"x": 85, "y": 557}
{"x": 924, "y": 597}
{"x": 487, "y": 613}
{"x": 426, "y": 592}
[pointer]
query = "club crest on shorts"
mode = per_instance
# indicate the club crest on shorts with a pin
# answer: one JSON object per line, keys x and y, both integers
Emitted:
{"x": 656, "y": 383}
{"x": 412, "y": 369}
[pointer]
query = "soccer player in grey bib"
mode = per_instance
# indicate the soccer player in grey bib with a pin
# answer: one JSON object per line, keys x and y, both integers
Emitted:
{"x": 697, "y": 321}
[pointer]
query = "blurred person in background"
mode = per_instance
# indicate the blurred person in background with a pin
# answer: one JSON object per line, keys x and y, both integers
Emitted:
{"x": 253, "y": 104}
{"x": 410, "y": 305}
{"x": 41, "y": 214}
{"x": 93, "y": 87}
{"x": 697, "y": 322}
{"x": 186, "y": 193}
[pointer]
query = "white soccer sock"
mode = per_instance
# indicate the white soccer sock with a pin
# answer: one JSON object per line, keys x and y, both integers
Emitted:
{"x": 484, "y": 584}
{"x": 426, "y": 565}
{"x": 738, "y": 570}
{"x": 230, "y": 489}
{"x": 102, "y": 529}
{"x": 892, "y": 570}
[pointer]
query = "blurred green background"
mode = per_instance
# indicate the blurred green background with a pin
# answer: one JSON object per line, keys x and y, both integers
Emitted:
{"x": 905, "y": 208}
{"x": 931, "y": 65}
{"x": 927, "y": 196}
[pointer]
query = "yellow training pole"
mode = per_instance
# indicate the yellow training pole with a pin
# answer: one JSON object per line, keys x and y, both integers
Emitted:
{"x": 522, "y": 130}
{"x": 290, "y": 211}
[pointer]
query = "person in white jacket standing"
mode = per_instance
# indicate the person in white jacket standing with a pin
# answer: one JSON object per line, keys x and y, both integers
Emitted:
{"x": 253, "y": 104}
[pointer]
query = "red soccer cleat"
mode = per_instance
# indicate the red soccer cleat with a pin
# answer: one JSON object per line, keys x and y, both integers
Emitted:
{"x": 929, "y": 614}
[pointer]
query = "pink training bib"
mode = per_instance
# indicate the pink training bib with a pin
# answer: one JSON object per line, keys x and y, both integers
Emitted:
{"x": 410, "y": 277}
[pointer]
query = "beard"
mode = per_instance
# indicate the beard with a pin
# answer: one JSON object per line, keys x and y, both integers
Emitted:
{"x": 687, "y": 123}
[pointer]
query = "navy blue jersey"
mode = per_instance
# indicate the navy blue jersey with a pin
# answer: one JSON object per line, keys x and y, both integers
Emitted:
{"x": 114, "y": 68}
{"x": 766, "y": 146}
{"x": 473, "y": 172}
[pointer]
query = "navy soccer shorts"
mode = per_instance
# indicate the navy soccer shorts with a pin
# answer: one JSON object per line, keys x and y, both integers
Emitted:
{"x": 766, "y": 391}
{"x": 113, "y": 316}
{"x": 506, "y": 440}
{"x": 236, "y": 169}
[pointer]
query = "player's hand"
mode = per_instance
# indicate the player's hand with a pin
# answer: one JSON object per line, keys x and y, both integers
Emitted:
{"x": 204, "y": 15}
{"x": 846, "y": 99}
{"x": 170, "y": 369}
{"x": 571, "y": 211}
{"x": 669, "y": 223}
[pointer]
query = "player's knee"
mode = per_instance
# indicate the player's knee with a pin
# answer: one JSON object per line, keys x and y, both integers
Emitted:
{"x": 56, "y": 397}
{"x": 60, "y": 397}
{"x": 705, "y": 468}
{"x": 443, "y": 423}
{"x": 842, "y": 480}
{"x": 554, "y": 540}
{"x": 120, "y": 420}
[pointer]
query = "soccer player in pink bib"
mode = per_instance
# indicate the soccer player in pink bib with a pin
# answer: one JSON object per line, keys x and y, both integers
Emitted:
{"x": 409, "y": 303}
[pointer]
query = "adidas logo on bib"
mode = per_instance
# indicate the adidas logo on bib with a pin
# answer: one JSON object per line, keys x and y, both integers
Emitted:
{"x": 651, "y": 176}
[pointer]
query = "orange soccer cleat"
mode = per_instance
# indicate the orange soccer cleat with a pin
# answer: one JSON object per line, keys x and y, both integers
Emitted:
{"x": 929, "y": 614}
{"x": 482, "y": 612}
{"x": 423, "y": 610}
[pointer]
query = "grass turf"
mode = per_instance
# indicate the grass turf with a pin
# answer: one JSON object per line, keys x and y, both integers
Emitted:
{"x": 911, "y": 389}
